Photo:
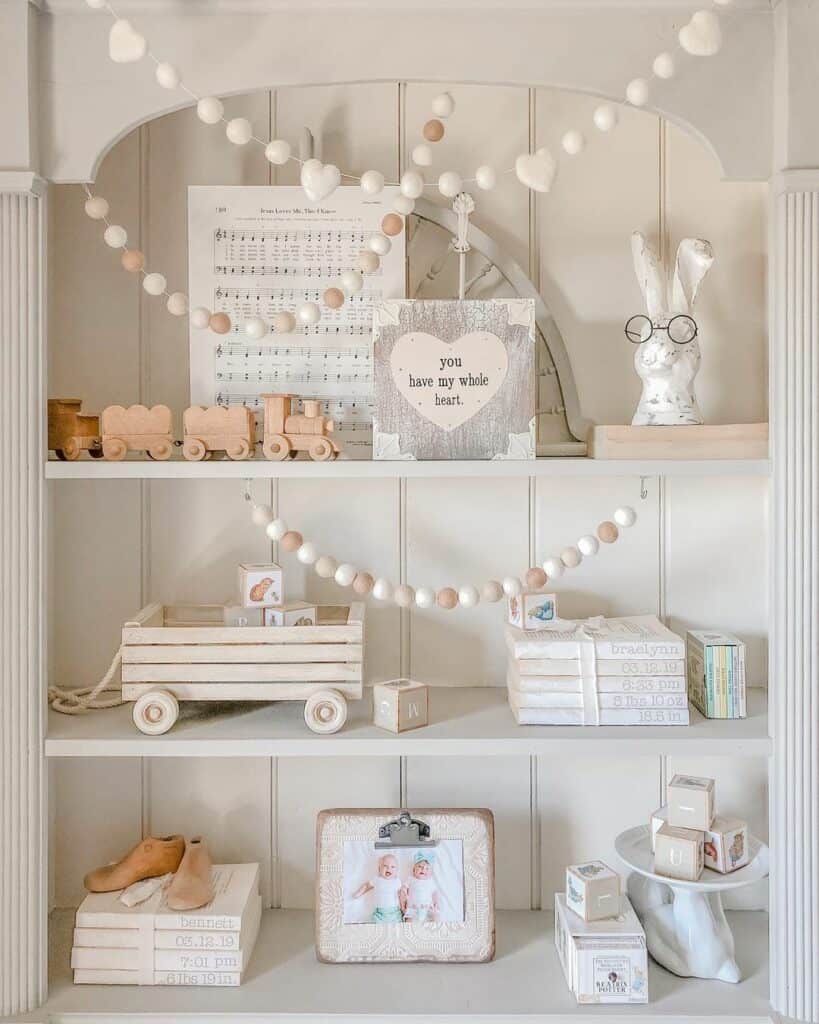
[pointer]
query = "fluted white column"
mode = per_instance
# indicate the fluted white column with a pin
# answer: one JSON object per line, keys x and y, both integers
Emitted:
{"x": 22, "y": 649}
{"x": 794, "y": 652}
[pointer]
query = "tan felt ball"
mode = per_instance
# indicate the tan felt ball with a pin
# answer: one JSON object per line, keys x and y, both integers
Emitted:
{"x": 363, "y": 584}
{"x": 220, "y": 323}
{"x": 292, "y": 540}
{"x": 392, "y": 224}
{"x": 433, "y": 130}
{"x": 333, "y": 298}
{"x": 368, "y": 261}
{"x": 133, "y": 260}
{"x": 535, "y": 578}
{"x": 571, "y": 558}
{"x": 607, "y": 532}
{"x": 447, "y": 598}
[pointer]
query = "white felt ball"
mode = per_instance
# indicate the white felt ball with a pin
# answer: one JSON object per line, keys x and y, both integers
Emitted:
{"x": 443, "y": 105}
{"x": 345, "y": 574}
{"x": 512, "y": 586}
{"x": 380, "y": 244}
{"x": 553, "y": 567}
{"x": 210, "y": 110}
{"x": 307, "y": 553}
{"x": 308, "y": 313}
{"x": 403, "y": 205}
{"x": 255, "y": 327}
{"x": 167, "y": 75}
{"x": 605, "y": 117}
{"x": 372, "y": 182}
{"x": 404, "y": 596}
{"x": 663, "y": 66}
{"x": 200, "y": 317}
{"x": 115, "y": 236}
{"x": 382, "y": 589}
{"x": 588, "y": 545}
{"x": 367, "y": 261}
{"x": 262, "y": 515}
{"x": 571, "y": 558}
{"x": 412, "y": 184}
{"x": 425, "y": 597}
{"x": 284, "y": 322}
{"x": 450, "y": 184}
{"x": 154, "y": 284}
{"x": 239, "y": 131}
{"x": 485, "y": 177}
{"x": 468, "y": 596}
{"x": 625, "y": 516}
{"x": 352, "y": 281}
{"x": 326, "y": 567}
{"x": 277, "y": 151}
{"x": 637, "y": 92}
{"x": 573, "y": 142}
{"x": 422, "y": 155}
{"x": 97, "y": 208}
{"x": 177, "y": 304}
{"x": 276, "y": 530}
{"x": 492, "y": 591}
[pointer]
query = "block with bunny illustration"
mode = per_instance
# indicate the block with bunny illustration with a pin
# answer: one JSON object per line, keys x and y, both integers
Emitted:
{"x": 726, "y": 845}
{"x": 292, "y": 613}
{"x": 532, "y": 610}
{"x": 593, "y": 890}
{"x": 260, "y": 586}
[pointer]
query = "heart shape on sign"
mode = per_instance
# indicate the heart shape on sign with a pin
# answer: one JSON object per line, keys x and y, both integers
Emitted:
{"x": 319, "y": 180}
{"x": 448, "y": 383}
{"x": 125, "y": 44}
{"x": 701, "y": 37}
{"x": 536, "y": 170}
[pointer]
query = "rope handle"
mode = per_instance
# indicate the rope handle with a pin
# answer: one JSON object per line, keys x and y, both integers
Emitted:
{"x": 89, "y": 698}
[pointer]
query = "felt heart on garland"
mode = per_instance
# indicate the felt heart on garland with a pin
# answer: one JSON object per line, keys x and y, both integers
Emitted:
{"x": 125, "y": 44}
{"x": 701, "y": 37}
{"x": 448, "y": 383}
{"x": 319, "y": 180}
{"x": 536, "y": 170}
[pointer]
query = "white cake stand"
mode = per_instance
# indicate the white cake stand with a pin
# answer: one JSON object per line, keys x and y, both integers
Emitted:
{"x": 685, "y": 925}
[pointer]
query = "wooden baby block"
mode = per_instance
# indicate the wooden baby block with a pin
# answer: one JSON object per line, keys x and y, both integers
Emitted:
{"x": 679, "y": 853}
{"x": 261, "y": 585}
{"x": 691, "y": 802}
{"x": 726, "y": 845}
{"x": 400, "y": 705}
{"x": 593, "y": 890}
{"x": 292, "y": 613}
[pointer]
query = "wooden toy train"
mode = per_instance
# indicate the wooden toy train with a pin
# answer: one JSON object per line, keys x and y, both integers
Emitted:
{"x": 206, "y": 430}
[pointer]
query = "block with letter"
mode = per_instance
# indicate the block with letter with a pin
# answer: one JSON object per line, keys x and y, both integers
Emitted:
{"x": 400, "y": 705}
{"x": 679, "y": 853}
{"x": 593, "y": 890}
{"x": 691, "y": 802}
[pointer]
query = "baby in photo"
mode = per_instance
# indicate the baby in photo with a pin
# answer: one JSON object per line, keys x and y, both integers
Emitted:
{"x": 421, "y": 896}
{"x": 389, "y": 890}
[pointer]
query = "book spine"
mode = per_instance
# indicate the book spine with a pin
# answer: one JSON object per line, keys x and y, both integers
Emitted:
{"x": 723, "y": 683}
{"x": 612, "y": 667}
{"x": 620, "y": 716}
{"x": 215, "y": 941}
{"x": 696, "y": 674}
{"x": 108, "y": 959}
{"x": 743, "y": 706}
{"x": 183, "y": 923}
{"x": 609, "y": 701}
{"x": 605, "y": 684}
{"x": 204, "y": 960}
{"x": 729, "y": 674}
{"x": 209, "y": 979}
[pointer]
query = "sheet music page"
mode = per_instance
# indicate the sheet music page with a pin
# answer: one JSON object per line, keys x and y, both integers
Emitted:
{"x": 256, "y": 250}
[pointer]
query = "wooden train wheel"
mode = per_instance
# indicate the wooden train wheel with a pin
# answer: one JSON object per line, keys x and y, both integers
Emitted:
{"x": 71, "y": 449}
{"x": 238, "y": 450}
{"x": 114, "y": 449}
{"x": 194, "y": 449}
{"x": 276, "y": 447}
{"x": 321, "y": 450}
{"x": 160, "y": 451}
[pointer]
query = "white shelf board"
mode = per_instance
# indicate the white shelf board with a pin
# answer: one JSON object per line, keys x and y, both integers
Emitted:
{"x": 285, "y": 983}
{"x": 216, "y": 469}
{"x": 463, "y": 721}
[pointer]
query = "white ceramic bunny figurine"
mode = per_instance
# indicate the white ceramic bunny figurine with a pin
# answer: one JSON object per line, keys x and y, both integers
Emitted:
{"x": 668, "y": 352}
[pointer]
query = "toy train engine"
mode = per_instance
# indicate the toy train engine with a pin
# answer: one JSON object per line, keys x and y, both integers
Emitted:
{"x": 287, "y": 433}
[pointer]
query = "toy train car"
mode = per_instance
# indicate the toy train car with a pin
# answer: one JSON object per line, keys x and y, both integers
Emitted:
{"x": 286, "y": 433}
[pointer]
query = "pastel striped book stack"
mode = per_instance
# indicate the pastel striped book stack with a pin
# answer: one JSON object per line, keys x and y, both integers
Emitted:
{"x": 716, "y": 674}
{"x": 619, "y": 671}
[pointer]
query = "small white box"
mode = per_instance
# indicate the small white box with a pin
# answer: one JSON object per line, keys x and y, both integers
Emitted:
{"x": 260, "y": 585}
{"x": 532, "y": 610}
{"x": 293, "y": 613}
{"x": 238, "y": 615}
{"x": 658, "y": 819}
{"x": 690, "y": 802}
{"x": 726, "y": 845}
{"x": 603, "y": 961}
{"x": 593, "y": 890}
{"x": 400, "y": 705}
{"x": 679, "y": 853}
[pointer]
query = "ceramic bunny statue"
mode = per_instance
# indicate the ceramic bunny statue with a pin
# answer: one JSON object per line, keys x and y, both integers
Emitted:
{"x": 668, "y": 352}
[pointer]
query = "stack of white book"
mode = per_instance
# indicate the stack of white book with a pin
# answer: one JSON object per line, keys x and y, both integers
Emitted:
{"x": 150, "y": 944}
{"x": 626, "y": 671}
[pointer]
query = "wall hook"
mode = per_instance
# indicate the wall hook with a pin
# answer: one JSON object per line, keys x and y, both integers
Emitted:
{"x": 643, "y": 491}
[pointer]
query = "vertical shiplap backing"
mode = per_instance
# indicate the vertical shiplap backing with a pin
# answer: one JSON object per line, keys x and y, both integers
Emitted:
{"x": 698, "y": 549}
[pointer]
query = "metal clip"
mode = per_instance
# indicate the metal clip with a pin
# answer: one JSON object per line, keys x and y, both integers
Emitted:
{"x": 404, "y": 831}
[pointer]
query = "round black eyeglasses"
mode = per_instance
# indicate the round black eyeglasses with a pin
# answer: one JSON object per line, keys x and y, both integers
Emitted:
{"x": 680, "y": 329}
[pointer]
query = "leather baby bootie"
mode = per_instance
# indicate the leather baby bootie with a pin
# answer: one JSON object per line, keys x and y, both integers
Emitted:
{"x": 149, "y": 858}
{"x": 191, "y": 886}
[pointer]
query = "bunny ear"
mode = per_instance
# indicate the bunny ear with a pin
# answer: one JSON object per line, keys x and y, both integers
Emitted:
{"x": 694, "y": 259}
{"x": 649, "y": 274}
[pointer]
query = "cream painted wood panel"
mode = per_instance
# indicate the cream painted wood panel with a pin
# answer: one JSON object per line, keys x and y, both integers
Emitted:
{"x": 501, "y": 784}
{"x": 311, "y": 784}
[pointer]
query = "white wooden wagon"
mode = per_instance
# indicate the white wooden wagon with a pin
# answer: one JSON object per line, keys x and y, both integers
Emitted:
{"x": 185, "y": 652}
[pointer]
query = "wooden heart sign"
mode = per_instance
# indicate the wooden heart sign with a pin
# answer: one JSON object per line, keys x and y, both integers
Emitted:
{"x": 449, "y": 382}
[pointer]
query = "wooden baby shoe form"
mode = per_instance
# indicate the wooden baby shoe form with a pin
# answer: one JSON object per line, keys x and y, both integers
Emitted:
{"x": 191, "y": 886}
{"x": 149, "y": 858}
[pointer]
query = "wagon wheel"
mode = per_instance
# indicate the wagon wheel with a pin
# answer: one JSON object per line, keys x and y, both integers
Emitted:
{"x": 96, "y": 451}
{"x": 321, "y": 450}
{"x": 238, "y": 450}
{"x": 276, "y": 447}
{"x": 161, "y": 450}
{"x": 194, "y": 449}
{"x": 326, "y": 711}
{"x": 114, "y": 449}
{"x": 155, "y": 712}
